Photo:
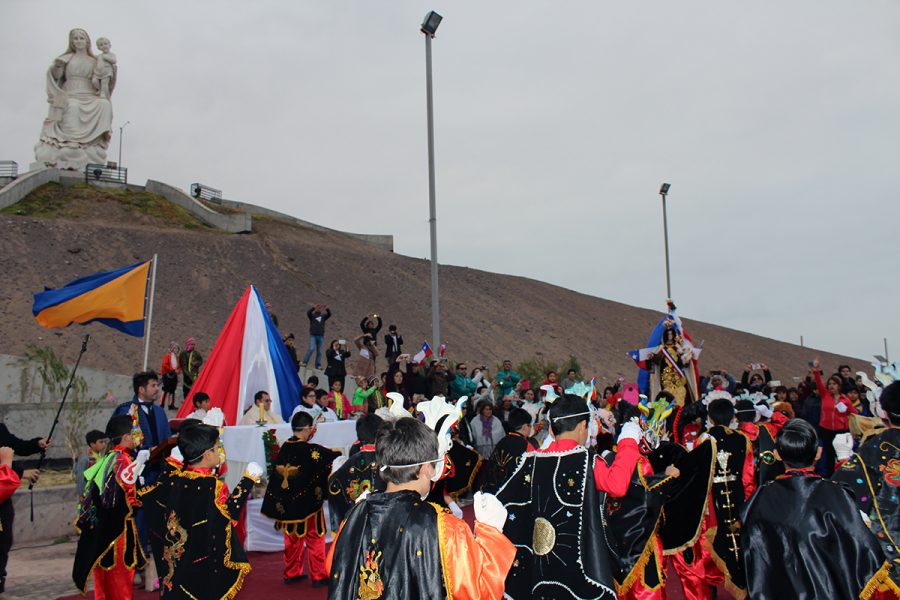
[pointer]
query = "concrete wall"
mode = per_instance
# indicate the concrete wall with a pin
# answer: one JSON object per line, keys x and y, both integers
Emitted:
{"x": 27, "y": 408}
{"x": 55, "y": 510}
{"x": 235, "y": 223}
{"x": 383, "y": 241}
{"x": 26, "y": 183}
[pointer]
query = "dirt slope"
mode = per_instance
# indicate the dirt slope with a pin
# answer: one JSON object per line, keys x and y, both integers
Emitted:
{"x": 67, "y": 233}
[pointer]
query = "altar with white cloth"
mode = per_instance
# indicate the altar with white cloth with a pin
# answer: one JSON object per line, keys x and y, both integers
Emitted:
{"x": 244, "y": 444}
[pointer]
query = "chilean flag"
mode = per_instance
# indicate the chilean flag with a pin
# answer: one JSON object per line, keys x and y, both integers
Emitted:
{"x": 423, "y": 354}
{"x": 249, "y": 356}
{"x": 640, "y": 356}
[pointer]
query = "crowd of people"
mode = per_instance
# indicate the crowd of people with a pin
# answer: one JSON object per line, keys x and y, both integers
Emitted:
{"x": 768, "y": 490}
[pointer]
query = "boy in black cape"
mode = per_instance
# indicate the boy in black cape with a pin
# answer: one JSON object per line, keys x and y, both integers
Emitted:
{"x": 396, "y": 546}
{"x": 803, "y": 536}
{"x": 294, "y": 498}
{"x": 873, "y": 474}
{"x": 716, "y": 558}
{"x": 195, "y": 514}
{"x": 555, "y": 501}
{"x": 359, "y": 474}
{"x": 662, "y": 511}
{"x": 108, "y": 543}
{"x": 509, "y": 450}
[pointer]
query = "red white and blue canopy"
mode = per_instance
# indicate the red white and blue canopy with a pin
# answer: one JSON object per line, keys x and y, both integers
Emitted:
{"x": 248, "y": 357}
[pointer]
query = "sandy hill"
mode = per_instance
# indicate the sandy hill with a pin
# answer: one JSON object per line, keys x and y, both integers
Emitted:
{"x": 57, "y": 234}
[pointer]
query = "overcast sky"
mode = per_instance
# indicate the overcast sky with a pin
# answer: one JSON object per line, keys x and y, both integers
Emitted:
{"x": 777, "y": 124}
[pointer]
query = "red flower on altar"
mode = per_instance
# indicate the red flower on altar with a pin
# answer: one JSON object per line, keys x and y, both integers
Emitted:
{"x": 892, "y": 472}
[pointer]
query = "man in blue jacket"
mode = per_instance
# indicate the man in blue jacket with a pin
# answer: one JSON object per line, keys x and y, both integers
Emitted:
{"x": 152, "y": 418}
{"x": 155, "y": 426}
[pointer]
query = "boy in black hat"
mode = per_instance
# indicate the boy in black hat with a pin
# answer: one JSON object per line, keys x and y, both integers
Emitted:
{"x": 202, "y": 556}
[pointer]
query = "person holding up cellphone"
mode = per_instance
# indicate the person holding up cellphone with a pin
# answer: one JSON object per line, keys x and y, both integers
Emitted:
{"x": 756, "y": 382}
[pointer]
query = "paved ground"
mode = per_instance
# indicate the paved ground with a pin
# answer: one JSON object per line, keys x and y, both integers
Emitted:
{"x": 40, "y": 571}
{"x": 45, "y": 572}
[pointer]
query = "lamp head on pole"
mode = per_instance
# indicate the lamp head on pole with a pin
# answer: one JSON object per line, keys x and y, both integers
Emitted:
{"x": 431, "y": 23}
{"x": 664, "y": 189}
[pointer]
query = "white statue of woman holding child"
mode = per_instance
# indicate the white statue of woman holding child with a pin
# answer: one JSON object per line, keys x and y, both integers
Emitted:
{"x": 78, "y": 127}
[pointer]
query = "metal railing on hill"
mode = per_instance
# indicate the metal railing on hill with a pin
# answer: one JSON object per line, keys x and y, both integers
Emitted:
{"x": 9, "y": 168}
{"x": 204, "y": 192}
{"x": 105, "y": 173}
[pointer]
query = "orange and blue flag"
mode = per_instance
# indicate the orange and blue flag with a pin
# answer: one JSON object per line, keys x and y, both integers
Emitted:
{"x": 115, "y": 298}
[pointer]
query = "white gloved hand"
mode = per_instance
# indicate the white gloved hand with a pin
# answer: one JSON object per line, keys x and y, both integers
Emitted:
{"x": 131, "y": 473}
{"x": 764, "y": 410}
{"x": 176, "y": 454}
{"x": 843, "y": 445}
{"x": 489, "y": 510}
{"x": 254, "y": 471}
{"x": 841, "y": 407}
{"x": 142, "y": 457}
{"x": 455, "y": 509}
{"x": 630, "y": 431}
{"x": 363, "y": 496}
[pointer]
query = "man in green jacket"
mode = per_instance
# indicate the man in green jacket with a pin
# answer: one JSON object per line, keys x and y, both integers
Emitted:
{"x": 507, "y": 379}
{"x": 462, "y": 384}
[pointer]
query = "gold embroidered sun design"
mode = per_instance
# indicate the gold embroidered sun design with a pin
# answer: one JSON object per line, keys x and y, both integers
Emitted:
{"x": 544, "y": 536}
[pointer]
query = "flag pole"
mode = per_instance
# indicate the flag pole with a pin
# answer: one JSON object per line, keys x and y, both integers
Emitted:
{"x": 150, "y": 312}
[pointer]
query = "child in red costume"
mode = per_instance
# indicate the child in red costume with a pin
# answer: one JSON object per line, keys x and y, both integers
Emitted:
{"x": 716, "y": 557}
{"x": 108, "y": 544}
{"x": 294, "y": 499}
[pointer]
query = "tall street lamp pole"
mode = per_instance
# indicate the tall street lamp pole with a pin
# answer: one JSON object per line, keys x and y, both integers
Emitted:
{"x": 120, "y": 143}
{"x": 429, "y": 27}
{"x": 663, "y": 192}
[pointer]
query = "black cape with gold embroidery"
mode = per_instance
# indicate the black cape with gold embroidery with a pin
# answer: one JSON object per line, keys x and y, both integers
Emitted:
{"x": 873, "y": 475}
{"x": 103, "y": 517}
{"x": 153, "y": 502}
{"x": 555, "y": 521}
{"x": 357, "y": 475}
{"x": 631, "y": 521}
{"x": 657, "y": 503}
{"x": 685, "y": 506}
{"x": 202, "y": 556}
{"x": 388, "y": 548}
{"x": 466, "y": 465}
{"x": 500, "y": 466}
{"x": 727, "y": 494}
{"x": 803, "y": 537}
{"x": 298, "y": 486}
